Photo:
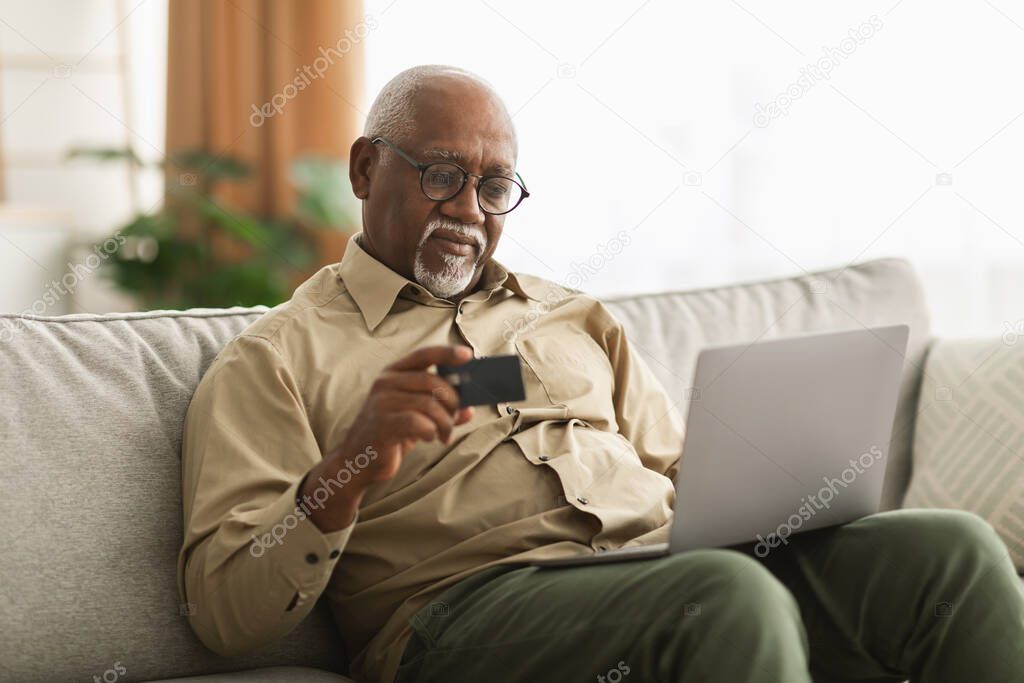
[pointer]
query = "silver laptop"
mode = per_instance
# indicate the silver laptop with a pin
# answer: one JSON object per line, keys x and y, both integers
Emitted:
{"x": 782, "y": 437}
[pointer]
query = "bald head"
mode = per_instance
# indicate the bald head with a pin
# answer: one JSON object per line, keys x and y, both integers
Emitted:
{"x": 426, "y": 92}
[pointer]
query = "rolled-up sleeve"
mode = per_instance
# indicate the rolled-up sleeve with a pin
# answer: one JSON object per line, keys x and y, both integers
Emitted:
{"x": 646, "y": 415}
{"x": 252, "y": 564}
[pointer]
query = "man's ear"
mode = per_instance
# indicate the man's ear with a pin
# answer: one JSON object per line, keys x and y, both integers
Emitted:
{"x": 362, "y": 157}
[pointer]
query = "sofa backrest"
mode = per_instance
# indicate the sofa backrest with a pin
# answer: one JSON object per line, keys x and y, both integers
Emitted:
{"x": 90, "y": 435}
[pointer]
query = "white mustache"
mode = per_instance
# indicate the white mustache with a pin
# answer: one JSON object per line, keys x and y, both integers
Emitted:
{"x": 461, "y": 228}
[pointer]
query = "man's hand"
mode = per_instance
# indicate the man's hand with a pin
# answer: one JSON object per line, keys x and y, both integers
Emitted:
{"x": 406, "y": 404}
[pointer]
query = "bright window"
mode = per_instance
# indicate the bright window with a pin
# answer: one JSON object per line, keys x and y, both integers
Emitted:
{"x": 902, "y": 138}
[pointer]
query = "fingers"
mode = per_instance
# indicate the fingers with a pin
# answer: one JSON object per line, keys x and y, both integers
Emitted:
{"x": 421, "y": 359}
{"x": 411, "y": 425}
{"x": 417, "y": 405}
{"x": 417, "y": 381}
{"x": 421, "y": 404}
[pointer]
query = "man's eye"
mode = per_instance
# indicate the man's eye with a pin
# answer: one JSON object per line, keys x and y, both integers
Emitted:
{"x": 494, "y": 189}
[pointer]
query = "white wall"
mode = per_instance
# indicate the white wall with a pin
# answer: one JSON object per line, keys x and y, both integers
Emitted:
{"x": 639, "y": 116}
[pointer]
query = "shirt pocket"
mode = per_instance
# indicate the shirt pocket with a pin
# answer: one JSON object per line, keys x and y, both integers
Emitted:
{"x": 570, "y": 371}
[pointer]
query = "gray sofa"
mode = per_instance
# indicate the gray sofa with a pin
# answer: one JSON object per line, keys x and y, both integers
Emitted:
{"x": 90, "y": 435}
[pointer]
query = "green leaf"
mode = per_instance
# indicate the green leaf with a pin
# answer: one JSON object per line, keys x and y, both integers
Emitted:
{"x": 322, "y": 184}
{"x": 249, "y": 230}
{"x": 210, "y": 166}
{"x": 105, "y": 154}
{"x": 182, "y": 270}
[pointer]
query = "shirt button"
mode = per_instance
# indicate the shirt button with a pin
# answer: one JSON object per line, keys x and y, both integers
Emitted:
{"x": 510, "y": 410}
{"x": 312, "y": 558}
{"x": 582, "y": 500}
{"x": 334, "y": 554}
{"x": 543, "y": 458}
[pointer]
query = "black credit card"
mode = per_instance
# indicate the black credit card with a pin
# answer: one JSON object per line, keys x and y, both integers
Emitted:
{"x": 486, "y": 381}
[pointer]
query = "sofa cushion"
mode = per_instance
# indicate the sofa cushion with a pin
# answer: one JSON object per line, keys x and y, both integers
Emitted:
{"x": 90, "y": 498}
{"x": 970, "y": 437}
{"x": 670, "y": 329}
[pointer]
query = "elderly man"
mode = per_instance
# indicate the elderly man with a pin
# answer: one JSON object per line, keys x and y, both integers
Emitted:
{"x": 322, "y": 457}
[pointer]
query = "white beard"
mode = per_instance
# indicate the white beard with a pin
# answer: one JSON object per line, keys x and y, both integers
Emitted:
{"x": 456, "y": 271}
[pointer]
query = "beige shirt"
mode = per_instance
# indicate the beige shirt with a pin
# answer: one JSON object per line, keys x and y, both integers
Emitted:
{"x": 585, "y": 463}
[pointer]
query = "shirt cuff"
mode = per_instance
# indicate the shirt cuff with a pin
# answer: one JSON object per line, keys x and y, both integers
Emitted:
{"x": 295, "y": 545}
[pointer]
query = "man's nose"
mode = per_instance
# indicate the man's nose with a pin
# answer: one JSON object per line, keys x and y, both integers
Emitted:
{"x": 464, "y": 206}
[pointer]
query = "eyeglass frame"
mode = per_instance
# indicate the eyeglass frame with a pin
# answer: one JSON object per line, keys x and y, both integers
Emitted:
{"x": 466, "y": 175}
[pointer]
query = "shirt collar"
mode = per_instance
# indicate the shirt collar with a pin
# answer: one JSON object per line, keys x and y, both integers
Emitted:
{"x": 374, "y": 287}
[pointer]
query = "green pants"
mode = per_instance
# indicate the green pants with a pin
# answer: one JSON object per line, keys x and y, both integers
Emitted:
{"x": 926, "y": 595}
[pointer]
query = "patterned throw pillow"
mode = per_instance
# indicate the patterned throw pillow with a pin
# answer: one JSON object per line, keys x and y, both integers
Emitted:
{"x": 969, "y": 439}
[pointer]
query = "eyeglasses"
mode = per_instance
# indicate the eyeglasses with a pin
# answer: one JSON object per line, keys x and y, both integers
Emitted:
{"x": 442, "y": 180}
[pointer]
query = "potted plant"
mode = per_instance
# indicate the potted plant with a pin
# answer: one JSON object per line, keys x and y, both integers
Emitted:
{"x": 197, "y": 251}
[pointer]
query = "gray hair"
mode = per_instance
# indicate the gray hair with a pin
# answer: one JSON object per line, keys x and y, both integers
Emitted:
{"x": 390, "y": 114}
